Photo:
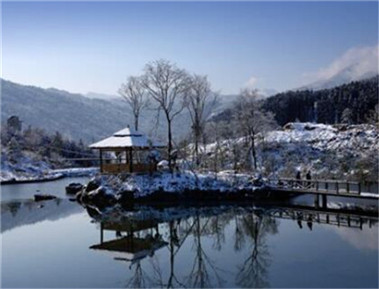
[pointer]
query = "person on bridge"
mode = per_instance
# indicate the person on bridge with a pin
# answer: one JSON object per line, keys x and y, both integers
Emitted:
{"x": 298, "y": 177}
{"x": 308, "y": 177}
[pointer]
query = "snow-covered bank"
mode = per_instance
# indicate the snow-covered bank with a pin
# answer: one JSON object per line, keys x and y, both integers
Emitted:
{"x": 27, "y": 169}
{"x": 328, "y": 151}
{"x": 164, "y": 186}
{"x": 77, "y": 172}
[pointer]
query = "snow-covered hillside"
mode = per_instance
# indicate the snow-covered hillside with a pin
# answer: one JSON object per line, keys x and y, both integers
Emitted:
{"x": 329, "y": 151}
{"x": 31, "y": 166}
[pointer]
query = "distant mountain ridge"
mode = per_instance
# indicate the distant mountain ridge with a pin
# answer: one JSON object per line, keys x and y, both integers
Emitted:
{"x": 345, "y": 76}
{"x": 73, "y": 115}
{"x": 80, "y": 117}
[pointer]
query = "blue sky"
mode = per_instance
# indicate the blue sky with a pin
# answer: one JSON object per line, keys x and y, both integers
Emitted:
{"x": 94, "y": 46}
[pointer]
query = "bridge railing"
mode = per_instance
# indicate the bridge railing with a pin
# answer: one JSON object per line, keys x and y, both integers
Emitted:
{"x": 324, "y": 185}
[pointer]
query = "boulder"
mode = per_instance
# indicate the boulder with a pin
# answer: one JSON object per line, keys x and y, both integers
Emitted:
{"x": 73, "y": 188}
{"x": 43, "y": 197}
{"x": 92, "y": 185}
{"x": 98, "y": 198}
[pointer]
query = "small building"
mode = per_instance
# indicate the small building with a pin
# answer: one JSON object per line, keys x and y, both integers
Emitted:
{"x": 127, "y": 150}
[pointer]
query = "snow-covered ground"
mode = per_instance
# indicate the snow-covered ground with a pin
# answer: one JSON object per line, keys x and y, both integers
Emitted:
{"x": 28, "y": 168}
{"x": 328, "y": 151}
{"x": 25, "y": 169}
{"x": 143, "y": 185}
{"x": 76, "y": 172}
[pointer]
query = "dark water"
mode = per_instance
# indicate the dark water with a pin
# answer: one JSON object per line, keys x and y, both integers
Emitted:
{"x": 59, "y": 244}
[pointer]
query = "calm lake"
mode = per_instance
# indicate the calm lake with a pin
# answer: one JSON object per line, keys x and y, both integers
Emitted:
{"x": 58, "y": 243}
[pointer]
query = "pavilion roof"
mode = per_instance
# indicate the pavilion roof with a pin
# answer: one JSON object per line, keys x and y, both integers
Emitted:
{"x": 129, "y": 249}
{"x": 127, "y": 138}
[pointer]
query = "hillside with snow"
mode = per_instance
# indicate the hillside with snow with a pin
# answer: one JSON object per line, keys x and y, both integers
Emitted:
{"x": 90, "y": 118}
{"x": 328, "y": 151}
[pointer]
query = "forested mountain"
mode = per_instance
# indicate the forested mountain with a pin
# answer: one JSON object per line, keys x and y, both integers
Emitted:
{"x": 73, "y": 115}
{"x": 78, "y": 117}
{"x": 352, "y": 103}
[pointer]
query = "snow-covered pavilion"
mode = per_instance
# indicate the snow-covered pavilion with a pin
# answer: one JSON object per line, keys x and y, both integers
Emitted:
{"x": 130, "y": 148}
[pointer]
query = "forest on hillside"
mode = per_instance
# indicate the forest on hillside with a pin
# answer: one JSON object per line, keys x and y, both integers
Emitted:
{"x": 352, "y": 103}
{"x": 37, "y": 145}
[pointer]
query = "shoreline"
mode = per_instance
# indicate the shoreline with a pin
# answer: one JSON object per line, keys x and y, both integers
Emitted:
{"x": 36, "y": 180}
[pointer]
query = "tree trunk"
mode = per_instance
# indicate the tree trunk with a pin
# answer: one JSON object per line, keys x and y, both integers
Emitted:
{"x": 197, "y": 148}
{"x": 136, "y": 122}
{"x": 253, "y": 150}
{"x": 169, "y": 147}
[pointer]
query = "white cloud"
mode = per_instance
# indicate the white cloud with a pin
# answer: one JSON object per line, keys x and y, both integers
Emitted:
{"x": 354, "y": 64}
{"x": 251, "y": 82}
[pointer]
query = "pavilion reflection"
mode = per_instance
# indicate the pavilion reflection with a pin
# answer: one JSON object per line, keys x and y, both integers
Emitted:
{"x": 134, "y": 240}
{"x": 142, "y": 232}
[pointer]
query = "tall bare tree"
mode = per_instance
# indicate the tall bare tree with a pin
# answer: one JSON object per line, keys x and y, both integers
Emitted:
{"x": 168, "y": 86}
{"x": 134, "y": 94}
{"x": 200, "y": 102}
{"x": 252, "y": 120}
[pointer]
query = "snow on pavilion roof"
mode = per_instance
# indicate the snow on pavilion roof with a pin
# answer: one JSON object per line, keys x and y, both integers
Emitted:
{"x": 126, "y": 138}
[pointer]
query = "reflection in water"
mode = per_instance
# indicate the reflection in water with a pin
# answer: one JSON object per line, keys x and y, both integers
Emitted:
{"x": 175, "y": 247}
{"x": 19, "y": 213}
{"x": 203, "y": 266}
{"x": 253, "y": 272}
{"x": 142, "y": 232}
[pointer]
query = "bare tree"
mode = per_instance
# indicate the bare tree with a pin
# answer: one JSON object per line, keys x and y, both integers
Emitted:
{"x": 168, "y": 86}
{"x": 200, "y": 102}
{"x": 134, "y": 94}
{"x": 252, "y": 120}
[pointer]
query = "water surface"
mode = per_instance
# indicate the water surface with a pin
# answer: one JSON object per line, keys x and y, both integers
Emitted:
{"x": 58, "y": 244}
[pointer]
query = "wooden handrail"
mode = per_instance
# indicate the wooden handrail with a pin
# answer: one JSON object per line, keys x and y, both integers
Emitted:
{"x": 321, "y": 181}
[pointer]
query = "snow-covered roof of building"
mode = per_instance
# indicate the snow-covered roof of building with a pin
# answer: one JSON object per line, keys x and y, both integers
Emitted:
{"x": 126, "y": 138}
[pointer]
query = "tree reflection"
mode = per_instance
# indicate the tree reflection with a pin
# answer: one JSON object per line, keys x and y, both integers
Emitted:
{"x": 239, "y": 235}
{"x": 253, "y": 271}
{"x": 203, "y": 266}
{"x": 140, "y": 279}
{"x": 174, "y": 242}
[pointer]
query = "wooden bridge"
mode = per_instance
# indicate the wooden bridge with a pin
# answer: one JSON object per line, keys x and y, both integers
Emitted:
{"x": 352, "y": 218}
{"x": 324, "y": 188}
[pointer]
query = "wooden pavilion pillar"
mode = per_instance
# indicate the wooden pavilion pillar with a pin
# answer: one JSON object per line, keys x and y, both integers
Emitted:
{"x": 101, "y": 160}
{"x": 131, "y": 160}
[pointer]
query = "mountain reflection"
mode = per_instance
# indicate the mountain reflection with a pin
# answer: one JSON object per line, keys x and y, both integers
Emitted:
{"x": 150, "y": 240}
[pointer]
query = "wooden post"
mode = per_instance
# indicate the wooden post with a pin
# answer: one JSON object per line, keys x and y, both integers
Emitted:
{"x": 347, "y": 187}
{"x": 359, "y": 188}
{"x": 101, "y": 233}
{"x": 101, "y": 160}
{"x": 316, "y": 185}
{"x": 317, "y": 200}
{"x": 326, "y": 186}
{"x": 131, "y": 160}
{"x": 337, "y": 187}
{"x": 324, "y": 201}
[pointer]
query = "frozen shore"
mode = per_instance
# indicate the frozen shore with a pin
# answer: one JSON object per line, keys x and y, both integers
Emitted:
{"x": 27, "y": 175}
{"x": 166, "y": 187}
